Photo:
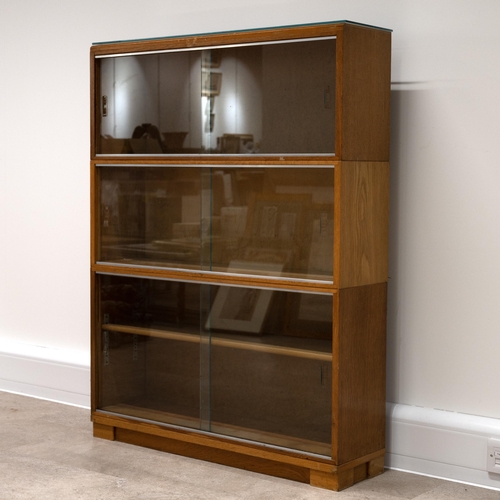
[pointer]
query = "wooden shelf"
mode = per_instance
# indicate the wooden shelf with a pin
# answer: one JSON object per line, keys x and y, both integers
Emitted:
{"x": 255, "y": 344}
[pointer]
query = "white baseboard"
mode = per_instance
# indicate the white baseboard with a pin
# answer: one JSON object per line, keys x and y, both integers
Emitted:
{"x": 440, "y": 444}
{"x": 52, "y": 374}
{"x": 424, "y": 441}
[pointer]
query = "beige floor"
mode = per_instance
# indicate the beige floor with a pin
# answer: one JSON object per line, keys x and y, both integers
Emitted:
{"x": 47, "y": 452}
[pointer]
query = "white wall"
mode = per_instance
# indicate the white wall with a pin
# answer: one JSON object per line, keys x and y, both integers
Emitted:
{"x": 444, "y": 307}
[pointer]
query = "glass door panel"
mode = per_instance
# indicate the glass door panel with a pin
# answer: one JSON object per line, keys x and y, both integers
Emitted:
{"x": 269, "y": 98}
{"x": 150, "y": 216}
{"x": 239, "y": 220}
{"x": 271, "y": 359}
{"x": 269, "y": 221}
{"x": 150, "y": 349}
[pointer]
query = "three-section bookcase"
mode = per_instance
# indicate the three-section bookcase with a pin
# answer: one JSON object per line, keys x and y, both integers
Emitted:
{"x": 240, "y": 187}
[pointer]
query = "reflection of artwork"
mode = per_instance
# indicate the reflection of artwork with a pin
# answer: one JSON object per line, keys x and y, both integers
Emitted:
{"x": 278, "y": 216}
{"x": 268, "y": 222}
{"x": 233, "y": 221}
{"x": 276, "y": 222}
{"x": 210, "y": 83}
{"x": 287, "y": 226}
{"x": 242, "y": 309}
{"x": 240, "y": 304}
{"x": 211, "y": 58}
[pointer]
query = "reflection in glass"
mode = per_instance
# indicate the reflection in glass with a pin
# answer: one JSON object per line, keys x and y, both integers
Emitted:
{"x": 243, "y": 362}
{"x": 275, "y": 98}
{"x": 250, "y": 220}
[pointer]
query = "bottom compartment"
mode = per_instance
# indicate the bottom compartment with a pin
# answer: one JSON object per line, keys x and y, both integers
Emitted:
{"x": 249, "y": 363}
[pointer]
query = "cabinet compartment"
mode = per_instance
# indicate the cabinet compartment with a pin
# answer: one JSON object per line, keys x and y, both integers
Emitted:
{"x": 172, "y": 352}
{"x": 250, "y": 220}
{"x": 275, "y": 98}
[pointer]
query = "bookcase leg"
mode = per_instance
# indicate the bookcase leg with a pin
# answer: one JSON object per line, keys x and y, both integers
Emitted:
{"x": 347, "y": 475}
{"x": 104, "y": 431}
{"x": 376, "y": 467}
{"x": 335, "y": 481}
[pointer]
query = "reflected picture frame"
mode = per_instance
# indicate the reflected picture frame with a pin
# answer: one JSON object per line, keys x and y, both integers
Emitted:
{"x": 210, "y": 83}
{"x": 242, "y": 309}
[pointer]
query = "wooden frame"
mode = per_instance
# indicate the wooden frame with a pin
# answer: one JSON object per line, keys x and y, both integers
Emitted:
{"x": 359, "y": 262}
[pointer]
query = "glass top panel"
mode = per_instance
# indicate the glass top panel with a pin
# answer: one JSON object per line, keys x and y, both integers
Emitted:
{"x": 344, "y": 21}
{"x": 239, "y": 220}
{"x": 272, "y": 98}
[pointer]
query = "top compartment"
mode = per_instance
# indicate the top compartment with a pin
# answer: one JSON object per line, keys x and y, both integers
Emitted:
{"x": 312, "y": 91}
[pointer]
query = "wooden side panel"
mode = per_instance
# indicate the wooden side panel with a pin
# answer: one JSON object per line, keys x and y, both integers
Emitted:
{"x": 94, "y": 392}
{"x": 361, "y": 223}
{"x": 359, "y": 372}
{"x": 365, "y": 94}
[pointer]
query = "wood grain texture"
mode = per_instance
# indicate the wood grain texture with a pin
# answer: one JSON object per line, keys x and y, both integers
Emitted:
{"x": 104, "y": 431}
{"x": 215, "y": 441}
{"x": 216, "y": 455}
{"x": 359, "y": 372}
{"x": 376, "y": 467}
{"x": 218, "y": 39}
{"x": 361, "y": 223}
{"x": 94, "y": 209}
{"x": 363, "y": 95}
{"x": 94, "y": 358}
{"x": 217, "y": 279}
{"x": 306, "y": 469}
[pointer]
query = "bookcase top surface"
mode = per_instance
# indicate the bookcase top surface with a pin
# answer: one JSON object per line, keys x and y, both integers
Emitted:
{"x": 338, "y": 22}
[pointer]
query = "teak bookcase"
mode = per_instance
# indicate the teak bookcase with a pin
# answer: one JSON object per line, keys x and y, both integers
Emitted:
{"x": 240, "y": 189}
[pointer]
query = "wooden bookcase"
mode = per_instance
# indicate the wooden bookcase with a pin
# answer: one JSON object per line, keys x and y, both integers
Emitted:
{"x": 240, "y": 190}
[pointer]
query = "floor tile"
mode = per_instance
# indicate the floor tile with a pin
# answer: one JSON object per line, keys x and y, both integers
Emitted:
{"x": 457, "y": 491}
{"x": 399, "y": 484}
{"x": 47, "y": 451}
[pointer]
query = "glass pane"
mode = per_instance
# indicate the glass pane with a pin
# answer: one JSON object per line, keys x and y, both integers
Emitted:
{"x": 276, "y": 98}
{"x": 243, "y": 362}
{"x": 250, "y": 220}
{"x": 271, "y": 377}
{"x": 150, "y": 216}
{"x": 270, "y": 221}
{"x": 150, "y": 349}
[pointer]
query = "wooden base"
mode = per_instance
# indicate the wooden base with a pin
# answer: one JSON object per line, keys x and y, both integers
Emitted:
{"x": 316, "y": 471}
{"x": 347, "y": 475}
